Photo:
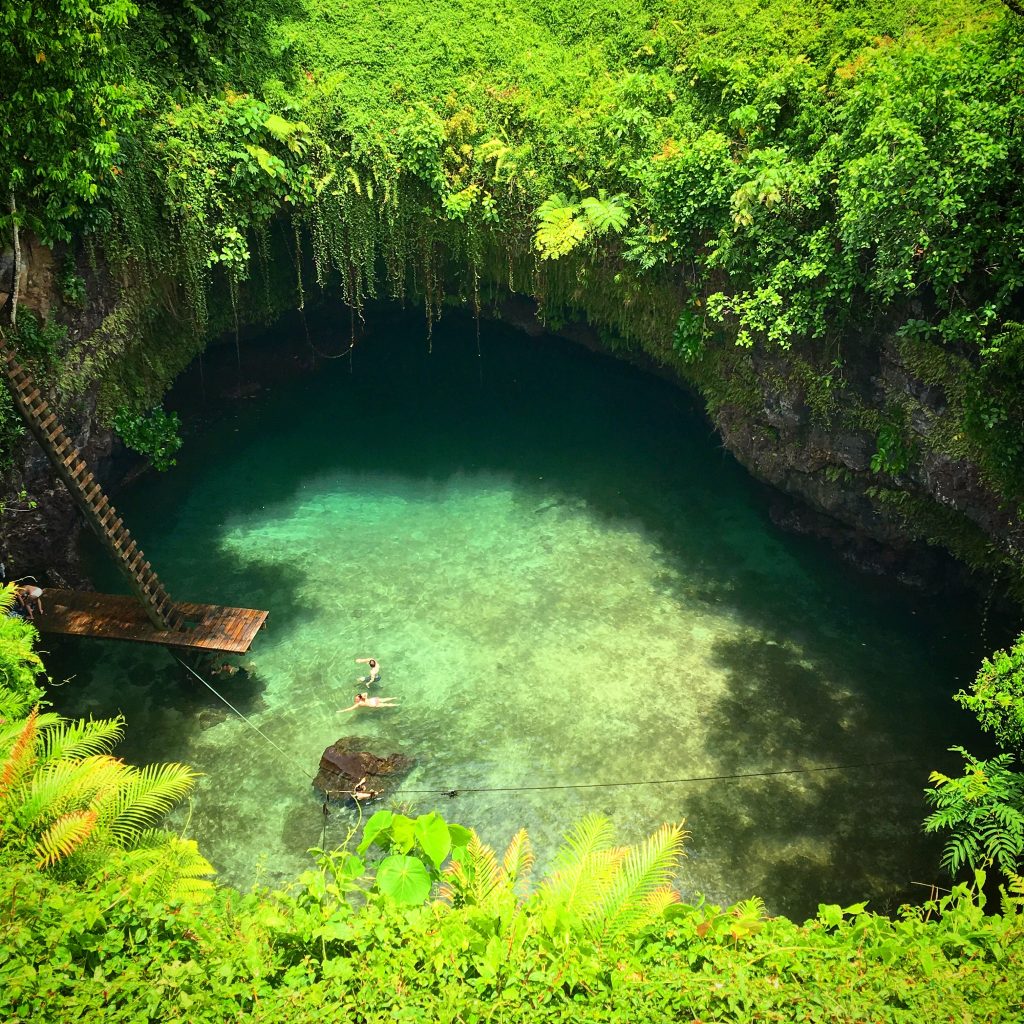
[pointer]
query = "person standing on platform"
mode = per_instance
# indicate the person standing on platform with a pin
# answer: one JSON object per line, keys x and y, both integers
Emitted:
{"x": 374, "y": 666}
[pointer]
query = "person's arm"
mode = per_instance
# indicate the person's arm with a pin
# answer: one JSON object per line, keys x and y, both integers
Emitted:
{"x": 363, "y": 661}
{"x": 342, "y": 711}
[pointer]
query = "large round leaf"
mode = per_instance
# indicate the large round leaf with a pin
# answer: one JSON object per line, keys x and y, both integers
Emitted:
{"x": 404, "y": 879}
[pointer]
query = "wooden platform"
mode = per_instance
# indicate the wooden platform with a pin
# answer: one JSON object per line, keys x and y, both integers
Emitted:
{"x": 112, "y": 617}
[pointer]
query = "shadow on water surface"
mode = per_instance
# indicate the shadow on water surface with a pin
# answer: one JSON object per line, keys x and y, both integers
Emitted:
{"x": 762, "y": 651}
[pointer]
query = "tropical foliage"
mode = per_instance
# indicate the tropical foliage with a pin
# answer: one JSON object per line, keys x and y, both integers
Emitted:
{"x": 106, "y": 918}
{"x": 984, "y": 811}
{"x": 997, "y": 696}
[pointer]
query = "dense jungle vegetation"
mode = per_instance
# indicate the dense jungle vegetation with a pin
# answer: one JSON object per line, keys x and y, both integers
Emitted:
{"x": 731, "y": 187}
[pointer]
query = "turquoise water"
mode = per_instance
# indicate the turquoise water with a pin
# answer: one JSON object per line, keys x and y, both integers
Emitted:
{"x": 567, "y": 582}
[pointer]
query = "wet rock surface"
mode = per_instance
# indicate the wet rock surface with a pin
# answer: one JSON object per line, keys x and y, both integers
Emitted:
{"x": 347, "y": 762}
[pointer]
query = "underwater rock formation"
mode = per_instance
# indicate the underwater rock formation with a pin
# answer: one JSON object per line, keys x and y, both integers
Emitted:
{"x": 346, "y": 763}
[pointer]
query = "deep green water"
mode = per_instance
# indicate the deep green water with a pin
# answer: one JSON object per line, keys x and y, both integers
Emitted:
{"x": 566, "y": 580}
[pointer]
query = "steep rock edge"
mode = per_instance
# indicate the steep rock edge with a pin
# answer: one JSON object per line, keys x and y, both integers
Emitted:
{"x": 809, "y": 432}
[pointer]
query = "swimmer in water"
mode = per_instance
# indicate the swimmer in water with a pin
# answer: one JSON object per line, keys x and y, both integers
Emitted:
{"x": 364, "y": 700}
{"x": 374, "y": 676}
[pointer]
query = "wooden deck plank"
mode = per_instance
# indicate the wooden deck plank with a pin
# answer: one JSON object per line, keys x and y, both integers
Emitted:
{"x": 115, "y": 617}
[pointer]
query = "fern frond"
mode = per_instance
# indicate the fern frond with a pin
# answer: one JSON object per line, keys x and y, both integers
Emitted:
{"x": 484, "y": 873}
{"x": 142, "y": 797}
{"x": 22, "y": 754}
{"x": 606, "y": 213}
{"x": 646, "y": 868}
{"x": 80, "y": 738}
{"x": 64, "y": 836}
{"x": 518, "y": 858}
{"x": 164, "y": 866}
{"x": 67, "y": 785}
{"x": 660, "y": 900}
{"x": 585, "y": 865}
{"x": 559, "y": 229}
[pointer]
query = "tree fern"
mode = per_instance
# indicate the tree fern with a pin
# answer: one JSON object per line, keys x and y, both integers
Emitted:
{"x": 560, "y": 229}
{"x": 606, "y": 213}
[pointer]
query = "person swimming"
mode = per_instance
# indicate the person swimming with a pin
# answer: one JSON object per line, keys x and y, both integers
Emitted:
{"x": 364, "y": 700}
{"x": 374, "y": 666}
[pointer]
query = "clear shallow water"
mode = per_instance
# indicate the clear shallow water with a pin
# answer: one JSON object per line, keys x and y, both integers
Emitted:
{"x": 566, "y": 581}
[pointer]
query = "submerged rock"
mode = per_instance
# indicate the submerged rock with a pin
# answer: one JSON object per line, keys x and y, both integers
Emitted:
{"x": 345, "y": 764}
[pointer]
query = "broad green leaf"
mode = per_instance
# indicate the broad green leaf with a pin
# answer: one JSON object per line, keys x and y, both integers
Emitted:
{"x": 404, "y": 879}
{"x": 433, "y": 836}
{"x": 378, "y": 823}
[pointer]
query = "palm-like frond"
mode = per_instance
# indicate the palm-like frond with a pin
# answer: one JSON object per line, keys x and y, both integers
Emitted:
{"x": 141, "y": 798}
{"x": 645, "y": 869}
{"x": 80, "y": 739}
{"x": 518, "y": 859}
{"x": 63, "y": 786}
{"x": 64, "y": 836}
{"x": 584, "y": 866}
{"x": 166, "y": 867}
{"x": 22, "y": 754}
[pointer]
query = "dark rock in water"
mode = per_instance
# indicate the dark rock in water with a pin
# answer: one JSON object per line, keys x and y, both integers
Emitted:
{"x": 346, "y": 762}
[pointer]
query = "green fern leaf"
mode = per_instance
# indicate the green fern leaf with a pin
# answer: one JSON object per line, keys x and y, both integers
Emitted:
{"x": 143, "y": 796}
{"x": 63, "y": 837}
{"x": 607, "y": 213}
{"x": 80, "y": 738}
{"x": 559, "y": 230}
{"x": 646, "y": 869}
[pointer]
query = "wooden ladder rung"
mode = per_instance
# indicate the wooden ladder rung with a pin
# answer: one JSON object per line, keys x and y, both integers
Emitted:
{"x": 92, "y": 494}
{"x": 29, "y": 399}
{"x": 101, "y": 504}
{"x": 86, "y": 480}
{"x": 49, "y": 419}
{"x": 42, "y": 407}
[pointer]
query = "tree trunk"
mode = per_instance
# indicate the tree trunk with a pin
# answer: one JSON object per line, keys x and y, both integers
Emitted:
{"x": 16, "y": 286}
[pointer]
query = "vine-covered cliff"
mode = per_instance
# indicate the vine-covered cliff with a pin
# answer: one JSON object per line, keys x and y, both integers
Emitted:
{"x": 811, "y": 214}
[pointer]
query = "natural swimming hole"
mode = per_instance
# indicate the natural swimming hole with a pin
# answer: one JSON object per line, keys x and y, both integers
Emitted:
{"x": 568, "y": 583}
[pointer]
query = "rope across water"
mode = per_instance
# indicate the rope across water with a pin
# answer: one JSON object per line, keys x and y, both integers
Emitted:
{"x": 452, "y": 793}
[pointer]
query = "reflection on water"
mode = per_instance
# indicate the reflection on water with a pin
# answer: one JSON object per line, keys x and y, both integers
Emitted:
{"x": 567, "y": 582}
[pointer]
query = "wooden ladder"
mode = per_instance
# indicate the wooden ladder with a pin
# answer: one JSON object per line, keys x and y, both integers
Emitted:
{"x": 99, "y": 513}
